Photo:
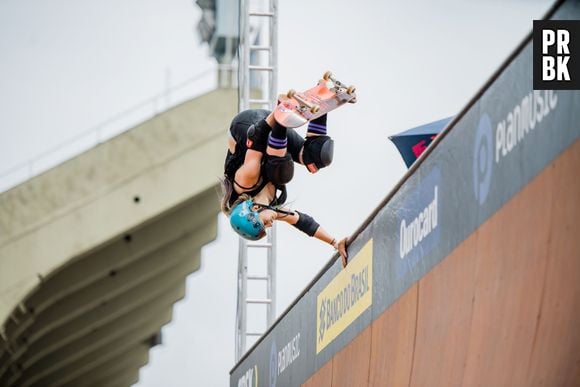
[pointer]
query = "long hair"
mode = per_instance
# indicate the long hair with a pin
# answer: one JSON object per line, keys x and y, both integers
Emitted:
{"x": 227, "y": 191}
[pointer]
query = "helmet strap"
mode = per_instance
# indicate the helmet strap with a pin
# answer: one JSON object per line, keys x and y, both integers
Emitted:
{"x": 265, "y": 206}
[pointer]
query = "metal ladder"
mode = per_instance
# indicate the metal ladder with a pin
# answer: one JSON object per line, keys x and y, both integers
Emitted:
{"x": 265, "y": 50}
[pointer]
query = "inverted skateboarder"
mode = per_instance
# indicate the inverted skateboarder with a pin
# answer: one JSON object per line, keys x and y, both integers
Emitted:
{"x": 260, "y": 162}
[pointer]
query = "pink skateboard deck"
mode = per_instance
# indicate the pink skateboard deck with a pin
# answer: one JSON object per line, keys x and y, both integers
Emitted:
{"x": 297, "y": 108}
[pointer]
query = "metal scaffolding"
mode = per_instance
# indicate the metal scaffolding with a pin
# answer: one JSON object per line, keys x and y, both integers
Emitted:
{"x": 257, "y": 70}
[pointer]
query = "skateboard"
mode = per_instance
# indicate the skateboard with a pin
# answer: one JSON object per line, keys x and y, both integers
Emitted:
{"x": 297, "y": 108}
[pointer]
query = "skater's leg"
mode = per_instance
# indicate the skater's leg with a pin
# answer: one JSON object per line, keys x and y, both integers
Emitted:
{"x": 318, "y": 149}
{"x": 279, "y": 167}
{"x": 317, "y": 127}
{"x": 259, "y": 136}
{"x": 252, "y": 128}
{"x": 295, "y": 144}
{"x": 277, "y": 140}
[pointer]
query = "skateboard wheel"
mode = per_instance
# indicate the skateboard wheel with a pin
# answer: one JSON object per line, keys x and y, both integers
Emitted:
{"x": 290, "y": 93}
{"x": 350, "y": 90}
{"x": 314, "y": 109}
{"x": 327, "y": 75}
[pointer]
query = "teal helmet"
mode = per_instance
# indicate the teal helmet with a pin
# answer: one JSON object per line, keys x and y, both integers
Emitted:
{"x": 246, "y": 221}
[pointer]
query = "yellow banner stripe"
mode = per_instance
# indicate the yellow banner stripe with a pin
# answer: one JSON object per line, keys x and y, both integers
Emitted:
{"x": 345, "y": 298}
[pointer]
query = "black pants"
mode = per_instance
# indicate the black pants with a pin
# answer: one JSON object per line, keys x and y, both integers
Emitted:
{"x": 241, "y": 123}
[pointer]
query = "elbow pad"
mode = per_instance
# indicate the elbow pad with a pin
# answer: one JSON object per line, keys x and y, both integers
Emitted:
{"x": 306, "y": 224}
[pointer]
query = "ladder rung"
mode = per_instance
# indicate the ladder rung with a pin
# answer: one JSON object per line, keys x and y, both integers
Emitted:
{"x": 260, "y": 101}
{"x": 266, "y": 14}
{"x": 254, "y": 334}
{"x": 260, "y": 48}
{"x": 258, "y": 301}
{"x": 258, "y": 277}
{"x": 261, "y": 68}
{"x": 258, "y": 244}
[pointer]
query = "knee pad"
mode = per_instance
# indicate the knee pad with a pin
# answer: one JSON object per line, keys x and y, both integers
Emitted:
{"x": 279, "y": 170}
{"x": 317, "y": 151}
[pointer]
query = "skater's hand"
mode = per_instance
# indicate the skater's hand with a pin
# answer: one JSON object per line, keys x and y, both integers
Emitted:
{"x": 341, "y": 247}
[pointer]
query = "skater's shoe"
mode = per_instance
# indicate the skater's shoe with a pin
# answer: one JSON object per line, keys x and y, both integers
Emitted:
{"x": 286, "y": 116}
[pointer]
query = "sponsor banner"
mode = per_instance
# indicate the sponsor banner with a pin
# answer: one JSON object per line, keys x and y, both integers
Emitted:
{"x": 282, "y": 358}
{"x": 345, "y": 298}
{"x": 418, "y": 223}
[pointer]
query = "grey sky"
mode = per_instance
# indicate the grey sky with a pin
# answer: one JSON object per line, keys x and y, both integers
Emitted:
{"x": 68, "y": 65}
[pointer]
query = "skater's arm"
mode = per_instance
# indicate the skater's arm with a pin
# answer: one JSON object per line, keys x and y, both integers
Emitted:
{"x": 309, "y": 226}
{"x": 249, "y": 173}
{"x": 339, "y": 245}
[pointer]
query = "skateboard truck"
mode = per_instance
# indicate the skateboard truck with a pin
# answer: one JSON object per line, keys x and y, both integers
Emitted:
{"x": 304, "y": 104}
{"x": 342, "y": 91}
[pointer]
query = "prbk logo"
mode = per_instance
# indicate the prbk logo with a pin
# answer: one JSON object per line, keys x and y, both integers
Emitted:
{"x": 556, "y": 54}
{"x": 483, "y": 159}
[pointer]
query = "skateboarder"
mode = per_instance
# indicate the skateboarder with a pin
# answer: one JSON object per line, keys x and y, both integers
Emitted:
{"x": 260, "y": 162}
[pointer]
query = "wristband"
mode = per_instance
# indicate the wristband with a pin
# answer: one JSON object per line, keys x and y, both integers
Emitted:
{"x": 334, "y": 244}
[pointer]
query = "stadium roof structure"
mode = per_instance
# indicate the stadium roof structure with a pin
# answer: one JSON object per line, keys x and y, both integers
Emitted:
{"x": 95, "y": 252}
